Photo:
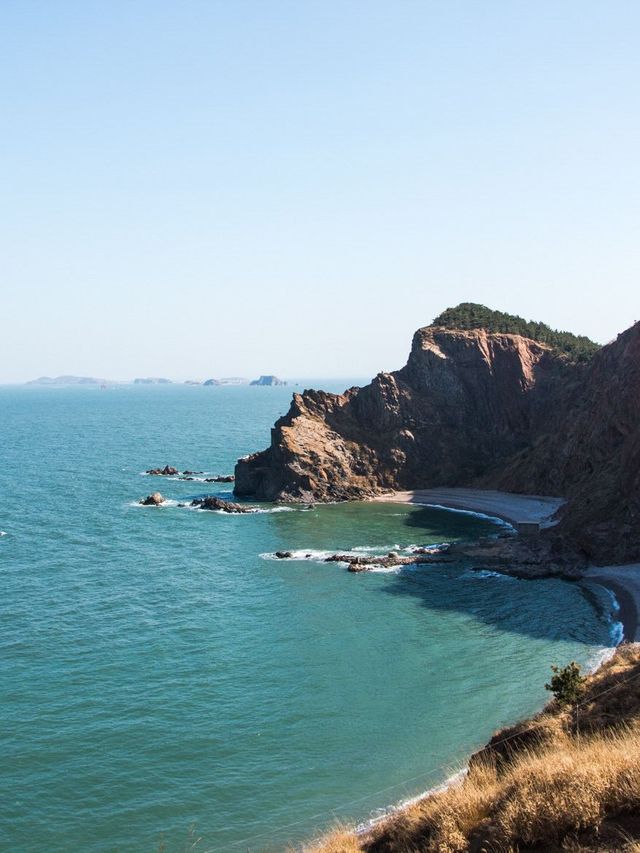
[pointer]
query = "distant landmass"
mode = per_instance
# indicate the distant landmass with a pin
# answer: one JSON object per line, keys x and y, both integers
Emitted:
{"x": 151, "y": 380}
{"x": 268, "y": 380}
{"x": 68, "y": 380}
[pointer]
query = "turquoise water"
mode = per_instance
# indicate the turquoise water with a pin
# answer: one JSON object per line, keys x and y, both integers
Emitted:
{"x": 158, "y": 674}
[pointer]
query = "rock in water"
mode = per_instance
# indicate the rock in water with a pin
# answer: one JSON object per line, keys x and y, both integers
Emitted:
{"x": 217, "y": 503}
{"x": 167, "y": 471}
{"x": 155, "y": 499}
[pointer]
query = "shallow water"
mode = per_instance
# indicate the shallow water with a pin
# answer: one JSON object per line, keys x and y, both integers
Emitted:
{"x": 159, "y": 672}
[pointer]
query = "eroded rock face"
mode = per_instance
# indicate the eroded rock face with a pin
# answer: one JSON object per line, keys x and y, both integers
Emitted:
{"x": 589, "y": 450}
{"x": 464, "y": 400}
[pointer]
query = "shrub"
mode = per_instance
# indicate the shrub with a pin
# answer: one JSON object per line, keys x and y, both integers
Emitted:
{"x": 566, "y": 684}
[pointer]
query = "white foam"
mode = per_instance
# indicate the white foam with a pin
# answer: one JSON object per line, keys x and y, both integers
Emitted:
{"x": 166, "y": 503}
{"x": 3, "y": 532}
{"x": 483, "y": 574}
{"x": 310, "y": 554}
{"x": 381, "y": 814}
{"x": 493, "y": 518}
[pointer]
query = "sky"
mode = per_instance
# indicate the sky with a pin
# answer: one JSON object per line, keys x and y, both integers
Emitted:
{"x": 194, "y": 189}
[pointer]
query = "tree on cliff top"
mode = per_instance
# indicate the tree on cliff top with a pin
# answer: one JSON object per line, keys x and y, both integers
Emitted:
{"x": 471, "y": 315}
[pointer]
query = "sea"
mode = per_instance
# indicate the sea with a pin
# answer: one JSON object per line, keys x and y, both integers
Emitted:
{"x": 167, "y": 684}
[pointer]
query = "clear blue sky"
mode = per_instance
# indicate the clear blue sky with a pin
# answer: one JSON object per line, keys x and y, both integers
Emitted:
{"x": 197, "y": 189}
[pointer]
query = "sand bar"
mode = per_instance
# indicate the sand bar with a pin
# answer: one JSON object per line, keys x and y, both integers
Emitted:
{"x": 516, "y": 509}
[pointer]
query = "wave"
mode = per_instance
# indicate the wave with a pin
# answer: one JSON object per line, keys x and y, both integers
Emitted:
{"x": 311, "y": 554}
{"x": 378, "y": 815}
{"x": 616, "y": 627}
{"x": 3, "y": 532}
{"x": 483, "y": 574}
{"x": 316, "y": 555}
{"x": 501, "y": 522}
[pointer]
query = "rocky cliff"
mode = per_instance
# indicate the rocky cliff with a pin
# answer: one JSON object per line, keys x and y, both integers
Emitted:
{"x": 466, "y": 401}
{"x": 588, "y": 449}
{"x": 481, "y": 408}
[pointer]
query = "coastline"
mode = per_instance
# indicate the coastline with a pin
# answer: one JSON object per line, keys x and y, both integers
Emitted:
{"x": 624, "y": 582}
{"x": 513, "y": 508}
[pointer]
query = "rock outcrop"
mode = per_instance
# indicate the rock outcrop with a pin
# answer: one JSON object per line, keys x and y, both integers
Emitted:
{"x": 167, "y": 471}
{"x": 465, "y": 400}
{"x": 213, "y": 503}
{"x": 476, "y": 408}
{"x": 155, "y": 499}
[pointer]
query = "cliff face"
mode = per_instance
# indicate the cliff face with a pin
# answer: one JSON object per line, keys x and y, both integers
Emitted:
{"x": 476, "y": 408}
{"x": 465, "y": 401}
{"x": 589, "y": 451}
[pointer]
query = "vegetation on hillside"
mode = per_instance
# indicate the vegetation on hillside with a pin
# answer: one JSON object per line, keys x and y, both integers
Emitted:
{"x": 568, "y": 780}
{"x": 470, "y": 315}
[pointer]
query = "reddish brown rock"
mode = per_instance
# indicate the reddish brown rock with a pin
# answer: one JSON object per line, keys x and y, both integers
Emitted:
{"x": 464, "y": 401}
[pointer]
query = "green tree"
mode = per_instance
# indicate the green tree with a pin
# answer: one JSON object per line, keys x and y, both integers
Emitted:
{"x": 566, "y": 684}
{"x": 471, "y": 315}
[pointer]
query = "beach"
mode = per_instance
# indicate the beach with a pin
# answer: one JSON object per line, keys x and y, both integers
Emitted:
{"x": 516, "y": 509}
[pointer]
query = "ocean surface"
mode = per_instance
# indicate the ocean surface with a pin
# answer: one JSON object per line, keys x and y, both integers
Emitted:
{"x": 163, "y": 679}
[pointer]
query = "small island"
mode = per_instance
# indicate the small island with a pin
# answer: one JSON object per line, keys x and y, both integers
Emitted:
{"x": 268, "y": 380}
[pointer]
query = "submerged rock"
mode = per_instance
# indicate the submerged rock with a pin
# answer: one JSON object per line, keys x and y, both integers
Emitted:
{"x": 214, "y": 503}
{"x": 154, "y": 499}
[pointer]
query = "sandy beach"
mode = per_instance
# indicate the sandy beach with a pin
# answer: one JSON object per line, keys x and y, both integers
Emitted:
{"x": 516, "y": 509}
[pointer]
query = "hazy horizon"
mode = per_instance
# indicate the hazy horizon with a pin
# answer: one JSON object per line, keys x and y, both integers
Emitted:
{"x": 216, "y": 189}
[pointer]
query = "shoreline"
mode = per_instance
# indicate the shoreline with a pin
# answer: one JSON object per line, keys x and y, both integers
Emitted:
{"x": 513, "y": 508}
{"x": 622, "y": 581}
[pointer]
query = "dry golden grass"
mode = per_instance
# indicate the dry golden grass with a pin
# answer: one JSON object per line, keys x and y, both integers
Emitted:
{"x": 561, "y": 782}
{"x": 339, "y": 840}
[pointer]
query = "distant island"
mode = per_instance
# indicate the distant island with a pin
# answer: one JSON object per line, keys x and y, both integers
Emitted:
{"x": 68, "y": 380}
{"x": 268, "y": 380}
